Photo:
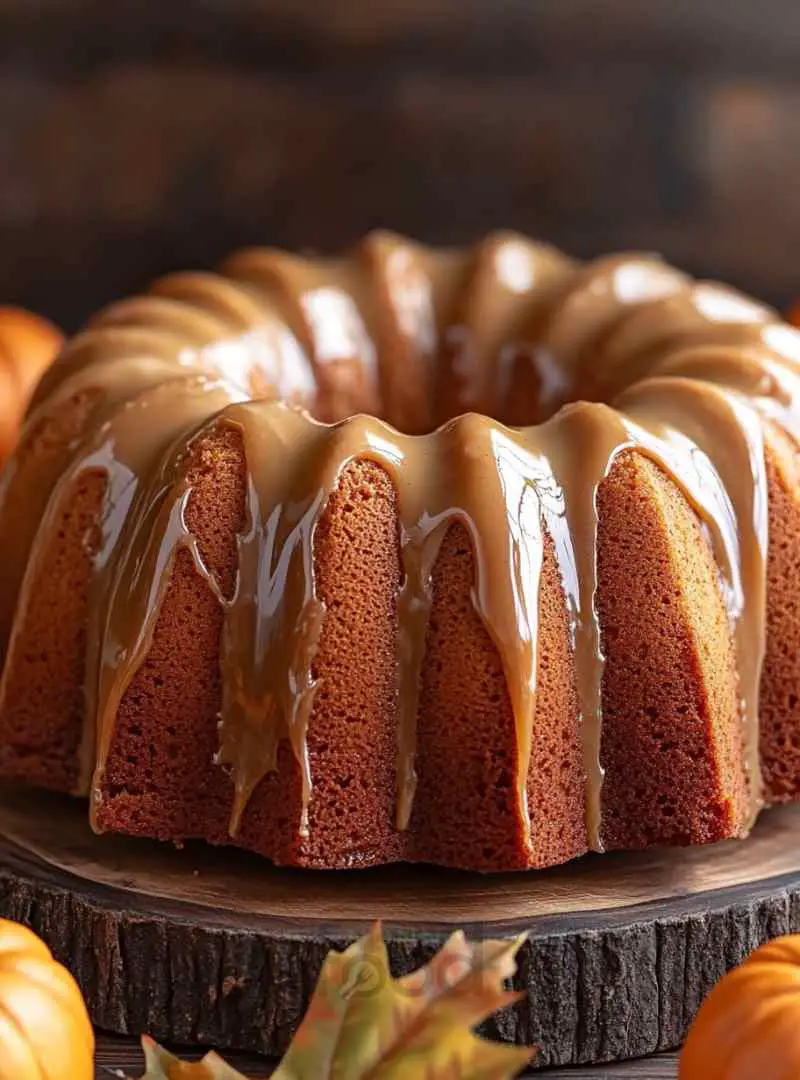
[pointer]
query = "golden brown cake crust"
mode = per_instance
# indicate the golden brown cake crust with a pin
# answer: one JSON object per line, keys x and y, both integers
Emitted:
{"x": 672, "y": 737}
{"x": 41, "y": 696}
{"x": 160, "y": 777}
{"x": 780, "y": 683}
{"x": 352, "y": 732}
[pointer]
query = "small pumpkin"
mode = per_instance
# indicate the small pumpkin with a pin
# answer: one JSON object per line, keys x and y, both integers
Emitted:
{"x": 28, "y": 345}
{"x": 45, "y": 1033}
{"x": 748, "y": 1028}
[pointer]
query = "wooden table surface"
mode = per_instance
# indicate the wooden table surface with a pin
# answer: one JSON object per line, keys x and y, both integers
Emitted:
{"x": 115, "y": 1054}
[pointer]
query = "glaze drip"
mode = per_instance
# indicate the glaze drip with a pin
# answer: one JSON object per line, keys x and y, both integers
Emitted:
{"x": 621, "y": 356}
{"x": 464, "y": 473}
{"x": 274, "y": 620}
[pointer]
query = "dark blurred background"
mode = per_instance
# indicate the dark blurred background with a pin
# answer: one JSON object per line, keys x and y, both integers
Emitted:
{"x": 140, "y": 136}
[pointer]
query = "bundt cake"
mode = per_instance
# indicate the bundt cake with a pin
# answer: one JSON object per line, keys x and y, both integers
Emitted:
{"x": 28, "y": 344}
{"x": 482, "y": 558}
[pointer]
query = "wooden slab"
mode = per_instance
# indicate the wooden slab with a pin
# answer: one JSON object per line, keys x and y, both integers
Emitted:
{"x": 121, "y": 1056}
{"x": 204, "y": 946}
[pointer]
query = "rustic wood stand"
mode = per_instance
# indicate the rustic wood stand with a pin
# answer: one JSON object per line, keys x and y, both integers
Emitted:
{"x": 205, "y": 946}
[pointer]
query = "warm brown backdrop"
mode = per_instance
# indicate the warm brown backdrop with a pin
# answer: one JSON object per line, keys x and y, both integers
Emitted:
{"x": 137, "y": 135}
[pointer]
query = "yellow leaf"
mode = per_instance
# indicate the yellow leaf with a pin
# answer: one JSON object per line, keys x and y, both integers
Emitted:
{"x": 364, "y": 1025}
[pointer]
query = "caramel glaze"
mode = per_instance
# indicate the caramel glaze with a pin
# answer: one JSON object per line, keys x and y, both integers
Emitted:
{"x": 510, "y": 331}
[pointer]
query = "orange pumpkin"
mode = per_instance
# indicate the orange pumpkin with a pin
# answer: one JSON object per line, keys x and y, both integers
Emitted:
{"x": 748, "y": 1028}
{"x": 28, "y": 345}
{"x": 45, "y": 1033}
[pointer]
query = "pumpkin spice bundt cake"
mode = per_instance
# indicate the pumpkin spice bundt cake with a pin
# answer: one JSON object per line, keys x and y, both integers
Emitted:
{"x": 482, "y": 558}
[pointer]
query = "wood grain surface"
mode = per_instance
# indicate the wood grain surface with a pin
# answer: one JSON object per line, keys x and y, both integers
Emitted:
{"x": 115, "y": 1055}
{"x": 214, "y": 948}
{"x": 234, "y": 884}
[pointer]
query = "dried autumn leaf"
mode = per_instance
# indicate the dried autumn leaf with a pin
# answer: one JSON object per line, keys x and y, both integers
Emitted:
{"x": 364, "y": 1025}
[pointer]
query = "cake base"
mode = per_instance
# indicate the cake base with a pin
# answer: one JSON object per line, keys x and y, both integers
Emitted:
{"x": 218, "y": 947}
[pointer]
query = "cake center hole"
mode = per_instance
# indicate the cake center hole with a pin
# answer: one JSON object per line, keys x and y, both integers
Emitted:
{"x": 524, "y": 384}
